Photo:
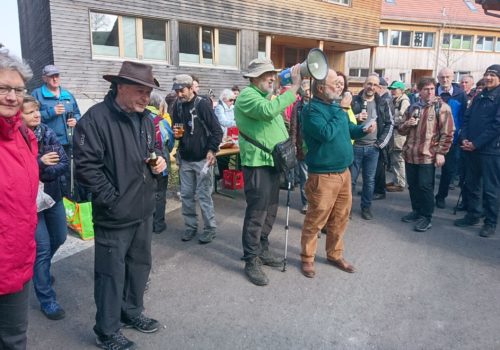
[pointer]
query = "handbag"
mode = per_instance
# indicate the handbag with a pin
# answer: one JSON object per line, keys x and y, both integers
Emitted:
{"x": 79, "y": 218}
{"x": 283, "y": 153}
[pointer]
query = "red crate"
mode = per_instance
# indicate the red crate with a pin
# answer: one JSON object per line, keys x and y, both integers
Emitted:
{"x": 233, "y": 179}
{"x": 232, "y": 132}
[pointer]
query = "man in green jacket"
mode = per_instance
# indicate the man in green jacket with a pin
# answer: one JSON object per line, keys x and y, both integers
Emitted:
{"x": 328, "y": 132}
{"x": 259, "y": 117}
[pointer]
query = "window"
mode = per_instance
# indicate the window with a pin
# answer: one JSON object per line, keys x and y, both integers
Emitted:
{"x": 400, "y": 38}
{"x": 470, "y": 5}
{"x": 382, "y": 38}
{"x": 402, "y": 77}
{"x": 422, "y": 39}
{"x": 207, "y": 46}
{"x": 484, "y": 43}
{"x": 497, "y": 46}
{"x": 380, "y": 72}
{"x": 342, "y": 2}
{"x": 457, "y": 41}
{"x": 119, "y": 36}
{"x": 459, "y": 75}
{"x": 358, "y": 72}
{"x": 262, "y": 46}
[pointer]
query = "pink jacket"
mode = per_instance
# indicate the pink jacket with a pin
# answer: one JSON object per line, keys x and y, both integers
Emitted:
{"x": 18, "y": 217}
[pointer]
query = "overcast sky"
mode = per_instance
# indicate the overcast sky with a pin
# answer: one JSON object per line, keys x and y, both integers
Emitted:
{"x": 9, "y": 26}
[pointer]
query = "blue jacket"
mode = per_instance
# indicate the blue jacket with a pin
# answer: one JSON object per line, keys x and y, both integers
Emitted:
{"x": 458, "y": 104}
{"x": 482, "y": 122}
{"x": 51, "y": 175}
{"x": 47, "y": 103}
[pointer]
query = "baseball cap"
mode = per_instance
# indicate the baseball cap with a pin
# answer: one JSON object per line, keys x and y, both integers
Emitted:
{"x": 181, "y": 81}
{"x": 50, "y": 70}
{"x": 397, "y": 85}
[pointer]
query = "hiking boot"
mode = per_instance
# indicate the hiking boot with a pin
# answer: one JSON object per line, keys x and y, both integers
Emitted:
{"x": 366, "y": 214}
{"x": 308, "y": 269}
{"x": 304, "y": 209}
{"x": 466, "y": 221}
{"x": 423, "y": 224}
{"x": 253, "y": 270}
{"x": 270, "y": 259}
{"x": 115, "y": 341}
{"x": 487, "y": 231}
{"x": 394, "y": 188}
{"x": 440, "y": 203}
{"x": 206, "y": 237}
{"x": 53, "y": 311}
{"x": 378, "y": 196}
{"x": 411, "y": 217}
{"x": 141, "y": 323}
{"x": 188, "y": 235}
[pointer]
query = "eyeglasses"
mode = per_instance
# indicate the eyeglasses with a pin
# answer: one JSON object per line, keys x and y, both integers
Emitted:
{"x": 19, "y": 91}
{"x": 232, "y": 99}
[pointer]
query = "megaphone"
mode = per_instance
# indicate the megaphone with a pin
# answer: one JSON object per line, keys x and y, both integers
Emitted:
{"x": 315, "y": 65}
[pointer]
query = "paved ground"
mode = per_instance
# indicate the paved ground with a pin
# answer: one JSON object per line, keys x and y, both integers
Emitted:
{"x": 434, "y": 290}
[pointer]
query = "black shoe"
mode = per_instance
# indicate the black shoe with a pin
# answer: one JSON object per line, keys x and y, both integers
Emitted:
{"x": 440, "y": 203}
{"x": 487, "y": 231}
{"x": 188, "y": 235}
{"x": 378, "y": 196}
{"x": 466, "y": 221}
{"x": 207, "y": 237}
{"x": 53, "y": 311}
{"x": 411, "y": 217}
{"x": 366, "y": 214}
{"x": 270, "y": 259}
{"x": 461, "y": 206}
{"x": 116, "y": 341}
{"x": 141, "y": 323}
{"x": 423, "y": 224}
{"x": 159, "y": 228}
{"x": 253, "y": 270}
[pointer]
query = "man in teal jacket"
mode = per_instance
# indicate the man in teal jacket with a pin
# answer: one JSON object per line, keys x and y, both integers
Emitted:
{"x": 328, "y": 132}
{"x": 259, "y": 117}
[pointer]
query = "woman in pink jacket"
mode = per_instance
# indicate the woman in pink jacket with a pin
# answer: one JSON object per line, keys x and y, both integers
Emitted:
{"x": 18, "y": 190}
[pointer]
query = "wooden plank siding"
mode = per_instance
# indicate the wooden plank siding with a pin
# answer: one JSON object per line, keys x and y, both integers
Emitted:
{"x": 68, "y": 22}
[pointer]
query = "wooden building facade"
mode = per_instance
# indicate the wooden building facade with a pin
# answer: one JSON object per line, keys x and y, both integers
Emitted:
{"x": 212, "y": 39}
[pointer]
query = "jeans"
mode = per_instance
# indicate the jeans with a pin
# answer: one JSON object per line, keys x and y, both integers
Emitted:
{"x": 50, "y": 234}
{"x": 160, "y": 204}
{"x": 302, "y": 166}
{"x": 420, "y": 178}
{"x": 194, "y": 184}
{"x": 14, "y": 319}
{"x": 365, "y": 157}
{"x": 448, "y": 171}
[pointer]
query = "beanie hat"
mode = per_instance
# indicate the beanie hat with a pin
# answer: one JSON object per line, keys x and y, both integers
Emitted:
{"x": 495, "y": 69}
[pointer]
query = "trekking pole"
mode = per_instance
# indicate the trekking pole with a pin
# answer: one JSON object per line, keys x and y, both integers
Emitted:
{"x": 71, "y": 160}
{"x": 287, "y": 218}
{"x": 458, "y": 200}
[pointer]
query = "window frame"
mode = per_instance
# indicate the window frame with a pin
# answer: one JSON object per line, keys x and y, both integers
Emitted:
{"x": 385, "y": 37}
{"x": 339, "y": 2}
{"x": 359, "y": 71}
{"x": 423, "y": 39}
{"x": 399, "y": 38}
{"x": 497, "y": 44}
{"x": 450, "y": 39}
{"x": 484, "y": 37}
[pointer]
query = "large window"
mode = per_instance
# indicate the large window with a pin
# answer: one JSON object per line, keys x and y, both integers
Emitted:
{"x": 262, "y": 46}
{"x": 484, "y": 43}
{"x": 382, "y": 38}
{"x": 208, "y": 46}
{"x": 459, "y": 75}
{"x": 403, "y": 38}
{"x": 400, "y": 38}
{"x": 423, "y": 39}
{"x": 342, "y": 2}
{"x": 497, "y": 46}
{"x": 358, "y": 72}
{"x": 457, "y": 41}
{"x": 128, "y": 37}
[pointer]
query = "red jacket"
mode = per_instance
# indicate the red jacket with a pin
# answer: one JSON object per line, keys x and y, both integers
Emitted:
{"x": 18, "y": 217}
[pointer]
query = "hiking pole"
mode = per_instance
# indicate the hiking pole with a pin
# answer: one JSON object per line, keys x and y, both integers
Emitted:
{"x": 71, "y": 161}
{"x": 287, "y": 217}
{"x": 458, "y": 200}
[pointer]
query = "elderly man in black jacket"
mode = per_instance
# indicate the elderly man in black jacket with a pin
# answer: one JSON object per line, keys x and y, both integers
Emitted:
{"x": 114, "y": 153}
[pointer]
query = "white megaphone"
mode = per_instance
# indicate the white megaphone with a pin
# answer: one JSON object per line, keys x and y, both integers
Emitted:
{"x": 315, "y": 65}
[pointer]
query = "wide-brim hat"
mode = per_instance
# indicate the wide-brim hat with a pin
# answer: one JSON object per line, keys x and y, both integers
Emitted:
{"x": 135, "y": 73}
{"x": 259, "y": 66}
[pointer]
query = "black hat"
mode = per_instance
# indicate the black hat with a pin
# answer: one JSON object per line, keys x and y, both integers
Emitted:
{"x": 495, "y": 69}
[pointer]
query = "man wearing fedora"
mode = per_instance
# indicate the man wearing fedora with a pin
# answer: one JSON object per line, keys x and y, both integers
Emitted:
{"x": 113, "y": 143}
{"x": 259, "y": 118}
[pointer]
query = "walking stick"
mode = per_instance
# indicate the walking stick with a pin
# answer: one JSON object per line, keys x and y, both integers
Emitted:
{"x": 71, "y": 161}
{"x": 289, "y": 180}
{"x": 458, "y": 201}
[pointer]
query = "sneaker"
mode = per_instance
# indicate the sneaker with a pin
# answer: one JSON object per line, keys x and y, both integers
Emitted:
{"x": 188, "y": 235}
{"x": 466, "y": 221}
{"x": 366, "y": 214}
{"x": 378, "y": 196}
{"x": 141, "y": 323}
{"x": 423, "y": 224}
{"x": 304, "y": 209}
{"x": 487, "y": 231}
{"x": 270, "y": 259}
{"x": 207, "y": 237}
{"x": 53, "y": 311}
{"x": 411, "y": 217}
{"x": 253, "y": 270}
{"x": 116, "y": 341}
{"x": 440, "y": 203}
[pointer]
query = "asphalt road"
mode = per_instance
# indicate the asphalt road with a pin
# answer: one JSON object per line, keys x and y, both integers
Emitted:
{"x": 434, "y": 290}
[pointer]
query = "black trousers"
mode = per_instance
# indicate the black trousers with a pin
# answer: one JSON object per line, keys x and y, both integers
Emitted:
{"x": 380, "y": 174}
{"x": 160, "y": 204}
{"x": 448, "y": 171}
{"x": 420, "y": 179}
{"x": 122, "y": 265}
{"x": 262, "y": 189}
{"x": 14, "y": 319}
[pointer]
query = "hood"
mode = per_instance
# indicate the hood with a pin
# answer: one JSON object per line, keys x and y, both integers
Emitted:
{"x": 8, "y": 126}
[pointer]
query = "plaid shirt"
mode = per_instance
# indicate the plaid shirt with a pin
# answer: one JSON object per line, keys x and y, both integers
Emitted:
{"x": 431, "y": 136}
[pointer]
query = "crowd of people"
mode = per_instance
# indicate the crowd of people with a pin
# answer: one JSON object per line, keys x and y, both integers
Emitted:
{"x": 121, "y": 152}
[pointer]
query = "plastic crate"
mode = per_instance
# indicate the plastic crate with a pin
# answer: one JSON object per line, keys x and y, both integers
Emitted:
{"x": 232, "y": 132}
{"x": 233, "y": 179}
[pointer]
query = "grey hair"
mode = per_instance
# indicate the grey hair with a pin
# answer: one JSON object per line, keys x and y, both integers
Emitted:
{"x": 469, "y": 76}
{"x": 155, "y": 99}
{"x": 13, "y": 63}
{"x": 316, "y": 84}
{"x": 226, "y": 94}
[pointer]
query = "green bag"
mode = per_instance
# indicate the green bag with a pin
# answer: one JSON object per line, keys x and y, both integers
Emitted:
{"x": 79, "y": 218}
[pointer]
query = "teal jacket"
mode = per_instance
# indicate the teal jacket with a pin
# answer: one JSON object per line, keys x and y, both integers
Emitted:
{"x": 260, "y": 118}
{"x": 327, "y": 132}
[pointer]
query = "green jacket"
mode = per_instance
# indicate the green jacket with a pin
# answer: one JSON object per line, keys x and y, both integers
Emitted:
{"x": 260, "y": 118}
{"x": 327, "y": 132}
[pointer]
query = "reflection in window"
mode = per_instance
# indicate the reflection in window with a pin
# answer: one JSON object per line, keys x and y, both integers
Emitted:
{"x": 382, "y": 38}
{"x": 154, "y": 38}
{"x": 262, "y": 46}
{"x": 129, "y": 37}
{"x": 484, "y": 43}
{"x": 207, "y": 45}
{"x": 228, "y": 47}
{"x": 104, "y": 34}
{"x": 189, "y": 49}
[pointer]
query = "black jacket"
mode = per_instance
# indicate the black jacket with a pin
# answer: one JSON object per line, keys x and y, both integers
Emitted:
{"x": 110, "y": 162}
{"x": 385, "y": 116}
{"x": 482, "y": 122}
{"x": 202, "y": 131}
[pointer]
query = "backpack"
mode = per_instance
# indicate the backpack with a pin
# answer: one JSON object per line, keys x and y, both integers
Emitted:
{"x": 194, "y": 113}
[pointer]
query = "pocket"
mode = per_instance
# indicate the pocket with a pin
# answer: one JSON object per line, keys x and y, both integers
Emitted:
{"x": 106, "y": 254}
